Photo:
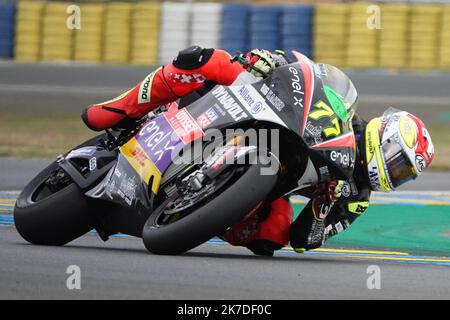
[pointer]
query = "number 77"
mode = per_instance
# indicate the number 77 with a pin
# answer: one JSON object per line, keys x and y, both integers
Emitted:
{"x": 324, "y": 110}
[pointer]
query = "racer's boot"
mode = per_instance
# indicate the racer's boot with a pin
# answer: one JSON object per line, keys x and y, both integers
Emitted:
{"x": 264, "y": 231}
{"x": 261, "y": 247}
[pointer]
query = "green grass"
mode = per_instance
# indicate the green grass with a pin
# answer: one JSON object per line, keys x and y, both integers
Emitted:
{"x": 48, "y": 136}
{"x": 384, "y": 227}
{"x": 40, "y": 136}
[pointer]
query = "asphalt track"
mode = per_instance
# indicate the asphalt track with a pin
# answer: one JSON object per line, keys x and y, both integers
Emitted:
{"x": 122, "y": 269}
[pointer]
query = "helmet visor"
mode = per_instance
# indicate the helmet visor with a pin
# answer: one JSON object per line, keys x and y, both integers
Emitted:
{"x": 399, "y": 167}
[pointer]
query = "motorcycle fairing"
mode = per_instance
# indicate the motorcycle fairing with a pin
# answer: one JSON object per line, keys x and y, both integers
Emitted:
{"x": 122, "y": 185}
{"x": 309, "y": 90}
{"x": 87, "y": 165}
{"x": 327, "y": 126}
{"x": 144, "y": 158}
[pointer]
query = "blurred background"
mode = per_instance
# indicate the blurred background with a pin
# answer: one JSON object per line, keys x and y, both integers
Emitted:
{"x": 57, "y": 57}
{"x": 411, "y": 35}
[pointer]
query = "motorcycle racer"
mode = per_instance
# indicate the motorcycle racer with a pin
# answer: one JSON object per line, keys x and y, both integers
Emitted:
{"x": 391, "y": 149}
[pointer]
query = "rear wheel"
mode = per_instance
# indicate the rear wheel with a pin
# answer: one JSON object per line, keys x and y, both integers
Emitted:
{"x": 51, "y": 209}
{"x": 193, "y": 217}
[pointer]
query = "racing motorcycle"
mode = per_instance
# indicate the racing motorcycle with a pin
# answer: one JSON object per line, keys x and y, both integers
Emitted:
{"x": 146, "y": 181}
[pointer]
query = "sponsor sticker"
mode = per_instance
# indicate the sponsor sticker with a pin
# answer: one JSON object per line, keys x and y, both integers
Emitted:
{"x": 145, "y": 89}
{"x": 341, "y": 158}
{"x": 339, "y": 227}
{"x": 272, "y": 97}
{"x": 117, "y": 172}
{"x": 297, "y": 89}
{"x": 374, "y": 177}
{"x": 140, "y": 156}
{"x": 320, "y": 70}
{"x": 141, "y": 163}
{"x": 346, "y": 191}
{"x": 212, "y": 115}
{"x": 314, "y": 132}
{"x": 370, "y": 143}
{"x": 159, "y": 141}
{"x": 207, "y": 117}
{"x": 92, "y": 164}
{"x": 256, "y": 108}
{"x": 127, "y": 189}
{"x": 255, "y": 104}
{"x": 229, "y": 103}
{"x": 420, "y": 163}
{"x": 184, "y": 125}
{"x": 358, "y": 207}
{"x": 321, "y": 210}
{"x": 317, "y": 233}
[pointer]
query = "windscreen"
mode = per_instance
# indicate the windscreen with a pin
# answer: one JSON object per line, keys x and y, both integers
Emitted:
{"x": 339, "y": 90}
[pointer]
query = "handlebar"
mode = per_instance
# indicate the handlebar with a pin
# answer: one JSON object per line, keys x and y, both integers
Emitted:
{"x": 240, "y": 58}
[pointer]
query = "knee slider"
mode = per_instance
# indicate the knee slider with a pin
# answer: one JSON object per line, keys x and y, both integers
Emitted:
{"x": 192, "y": 58}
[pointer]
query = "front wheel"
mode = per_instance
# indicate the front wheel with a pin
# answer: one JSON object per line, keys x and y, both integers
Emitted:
{"x": 191, "y": 219}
